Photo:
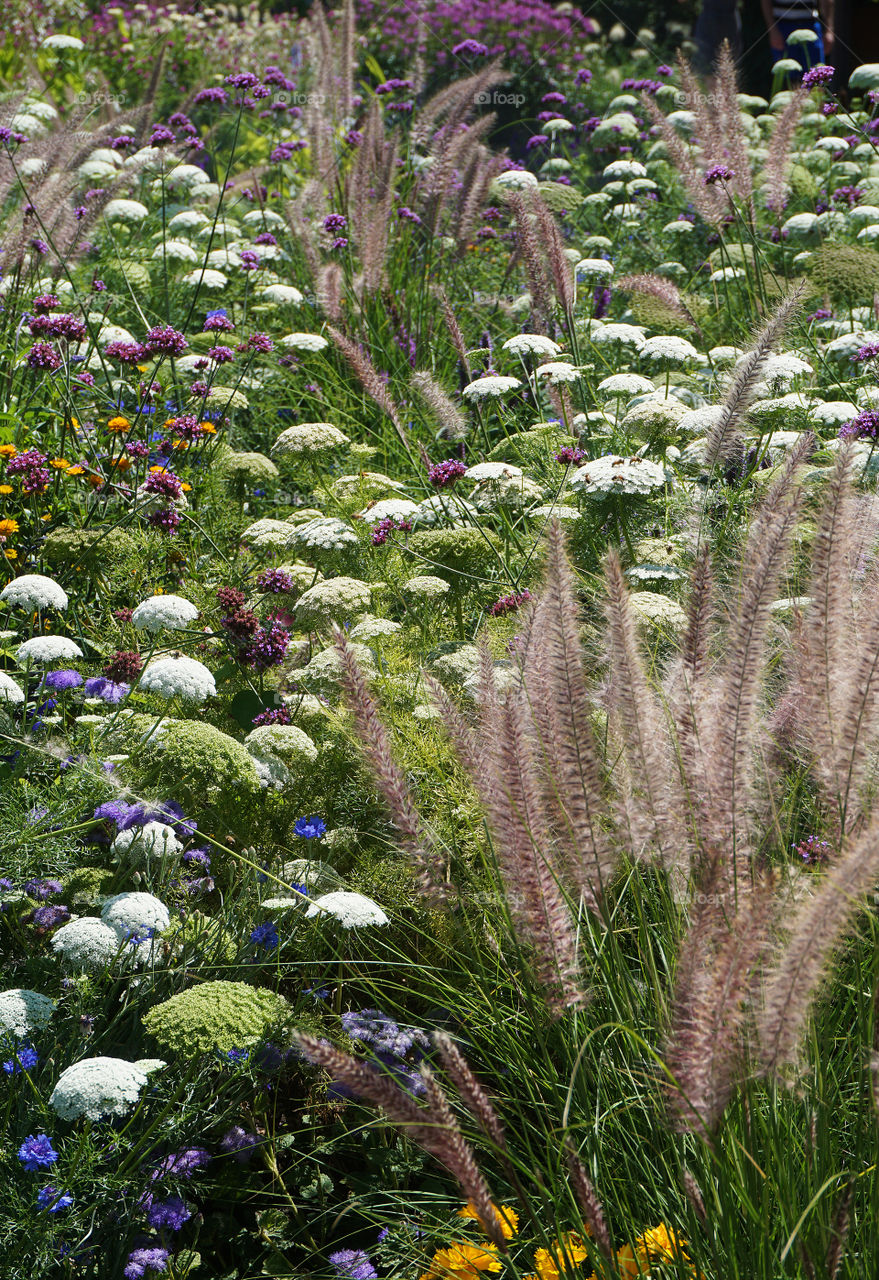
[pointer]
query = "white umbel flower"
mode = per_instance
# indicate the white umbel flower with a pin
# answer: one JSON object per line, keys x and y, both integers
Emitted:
{"x": 332, "y": 600}
{"x": 177, "y": 251}
{"x": 128, "y": 913}
{"x": 87, "y": 943}
{"x": 613, "y": 474}
{"x": 282, "y": 743}
{"x": 389, "y": 509}
{"x": 558, "y": 372}
{"x": 656, "y": 610}
{"x": 206, "y": 277}
{"x": 187, "y": 220}
{"x": 154, "y": 841}
{"x": 326, "y": 533}
{"x": 43, "y": 650}
{"x": 492, "y": 471}
{"x": 97, "y": 1087}
{"x": 368, "y": 629}
{"x": 163, "y": 613}
{"x": 303, "y": 342}
{"x": 9, "y": 690}
{"x": 515, "y": 180}
{"x": 490, "y": 388}
{"x": 282, "y": 294}
{"x": 125, "y": 211}
{"x": 351, "y": 910}
{"x": 427, "y": 586}
{"x": 179, "y": 678}
{"x": 531, "y": 344}
{"x": 310, "y": 438}
{"x": 63, "y": 43}
{"x": 621, "y": 385}
{"x": 558, "y": 125}
{"x": 592, "y": 270}
{"x": 22, "y": 1012}
{"x": 34, "y": 591}
{"x": 267, "y": 533}
{"x": 666, "y": 348}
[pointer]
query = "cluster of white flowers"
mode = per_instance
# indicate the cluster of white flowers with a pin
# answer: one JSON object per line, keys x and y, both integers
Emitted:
{"x": 97, "y": 1087}
{"x": 510, "y": 492}
{"x": 177, "y": 251}
{"x": 389, "y": 509}
{"x": 374, "y": 629}
{"x": 492, "y": 471}
{"x": 490, "y": 387}
{"x": 9, "y": 690}
{"x": 613, "y": 474}
{"x": 668, "y": 349}
{"x": 153, "y": 842}
{"x": 178, "y": 677}
{"x": 331, "y": 600}
{"x": 303, "y": 342}
{"x": 515, "y": 180}
{"x": 324, "y": 671}
{"x": 310, "y": 437}
{"x": 531, "y": 344}
{"x": 618, "y": 335}
{"x": 267, "y": 534}
{"x": 86, "y": 943}
{"x": 285, "y": 741}
{"x": 44, "y": 650}
{"x": 129, "y": 913}
{"x": 125, "y": 211}
{"x": 427, "y": 586}
{"x": 558, "y": 372}
{"x": 657, "y": 610}
{"x": 160, "y": 613}
{"x": 282, "y": 294}
{"x": 324, "y": 534}
{"x": 622, "y": 385}
{"x": 593, "y": 270}
{"x": 351, "y": 910}
{"x": 22, "y": 1012}
{"x": 34, "y": 591}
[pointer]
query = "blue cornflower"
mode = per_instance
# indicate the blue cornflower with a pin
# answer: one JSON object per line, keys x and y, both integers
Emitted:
{"x": 310, "y": 828}
{"x": 23, "y": 1059}
{"x": 265, "y": 935}
{"x": 37, "y": 1152}
{"x": 237, "y": 1056}
{"x": 54, "y": 1200}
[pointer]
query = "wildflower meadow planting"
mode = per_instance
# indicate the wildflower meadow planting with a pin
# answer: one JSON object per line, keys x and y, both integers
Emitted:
{"x": 439, "y": 650}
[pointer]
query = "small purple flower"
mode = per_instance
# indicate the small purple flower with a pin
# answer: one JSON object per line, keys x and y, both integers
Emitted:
{"x": 37, "y": 1152}
{"x": 274, "y": 582}
{"x": 265, "y": 935}
{"x": 470, "y": 49}
{"x": 60, "y": 681}
{"x": 164, "y": 340}
{"x": 510, "y": 603}
{"x": 239, "y": 1144}
{"x": 718, "y": 173}
{"x": 23, "y": 1059}
{"x": 444, "y": 474}
{"x": 866, "y": 424}
{"x": 42, "y": 889}
{"x": 169, "y": 1215}
{"x": 43, "y": 355}
{"x": 817, "y": 77}
{"x": 54, "y": 1200}
{"x": 106, "y": 690}
{"x": 140, "y": 1261}
{"x": 354, "y": 1264}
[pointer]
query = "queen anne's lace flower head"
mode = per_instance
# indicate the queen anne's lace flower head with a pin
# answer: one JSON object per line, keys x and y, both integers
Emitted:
{"x": 267, "y": 534}
{"x": 351, "y": 910}
{"x": 333, "y": 600}
{"x": 427, "y": 587}
{"x": 667, "y": 349}
{"x": 389, "y": 509}
{"x": 515, "y": 180}
{"x": 34, "y": 591}
{"x": 9, "y": 690}
{"x": 613, "y": 474}
{"x": 310, "y": 438}
{"x": 43, "y": 650}
{"x": 179, "y": 677}
{"x": 532, "y": 344}
{"x": 489, "y": 387}
{"x": 593, "y": 270}
{"x": 558, "y": 372}
{"x": 125, "y": 211}
{"x": 374, "y": 629}
{"x": 214, "y": 1016}
{"x": 492, "y": 471}
{"x": 303, "y": 342}
{"x": 285, "y": 741}
{"x": 97, "y": 1087}
{"x": 622, "y": 385}
{"x": 153, "y": 842}
{"x": 656, "y": 610}
{"x": 326, "y": 533}
{"x": 163, "y": 613}
{"x": 22, "y": 1012}
{"x": 87, "y": 943}
{"x": 135, "y": 913}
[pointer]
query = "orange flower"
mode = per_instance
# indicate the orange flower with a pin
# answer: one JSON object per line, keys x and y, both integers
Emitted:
{"x": 122, "y": 463}
{"x": 119, "y": 424}
{"x": 6, "y": 489}
{"x": 463, "y": 1261}
{"x": 60, "y": 464}
{"x": 209, "y": 428}
{"x": 96, "y": 481}
{"x": 659, "y": 1244}
{"x": 179, "y": 444}
{"x": 10, "y": 553}
{"x": 8, "y": 527}
{"x": 76, "y": 471}
{"x": 187, "y": 488}
{"x": 8, "y": 451}
{"x": 509, "y": 1218}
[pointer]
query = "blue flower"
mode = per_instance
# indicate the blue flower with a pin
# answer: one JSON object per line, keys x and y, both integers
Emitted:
{"x": 310, "y": 828}
{"x": 169, "y": 1214}
{"x": 108, "y": 690}
{"x": 37, "y": 1152}
{"x": 54, "y": 1200}
{"x": 353, "y": 1263}
{"x": 265, "y": 935}
{"x": 23, "y": 1059}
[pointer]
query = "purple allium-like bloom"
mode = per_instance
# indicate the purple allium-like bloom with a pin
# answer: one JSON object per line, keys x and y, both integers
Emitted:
{"x": 42, "y": 889}
{"x": 354, "y": 1264}
{"x": 250, "y": 261}
{"x": 335, "y": 222}
{"x": 569, "y": 455}
{"x": 869, "y": 351}
{"x": 161, "y": 136}
{"x": 214, "y": 94}
{"x": 240, "y": 1144}
{"x": 164, "y": 340}
{"x": 279, "y": 715}
{"x": 24, "y": 1058}
{"x": 106, "y": 690}
{"x": 265, "y": 935}
{"x": 818, "y": 76}
{"x": 218, "y": 321}
{"x": 43, "y": 303}
{"x": 444, "y": 474}
{"x": 167, "y": 521}
{"x": 221, "y": 355}
{"x": 274, "y": 581}
{"x": 538, "y": 140}
{"x": 583, "y": 76}
{"x": 182, "y": 1164}
{"x": 313, "y": 828}
{"x": 510, "y": 603}
{"x": 62, "y": 680}
{"x": 140, "y": 1261}
{"x": 37, "y": 1152}
{"x": 267, "y": 648}
{"x": 470, "y": 49}
{"x": 866, "y": 424}
{"x": 54, "y": 1200}
{"x": 718, "y": 173}
{"x": 164, "y": 484}
{"x": 46, "y": 918}
{"x": 43, "y": 355}
{"x": 258, "y": 342}
{"x": 125, "y": 352}
{"x": 169, "y": 1215}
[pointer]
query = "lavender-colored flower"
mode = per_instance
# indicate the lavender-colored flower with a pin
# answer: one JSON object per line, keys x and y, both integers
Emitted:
{"x": 718, "y": 173}
{"x": 239, "y": 1143}
{"x": 444, "y": 474}
{"x": 817, "y": 77}
{"x": 274, "y": 582}
{"x": 182, "y": 1164}
{"x": 866, "y": 424}
{"x": 250, "y": 260}
{"x": 221, "y": 355}
{"x": 869, "y": 351}
{"x": 161, "y": 136}
{"x": 60, "y": 681}
{"x": 140, "y": 1261}
{"x": 260, "y": 342}
{"x": 218, "y": 322}
{"x": 510, "y": 603}
{"x": 45, "y": 918}
{"x": 354, "y": 1264}
{"x": 163, "y": 484}
{"x": 164, "y": 340}
{"x": 278, "y": 715}
{"x": 107, "y": 690}
{"x": 267, "y": 648}
{"x": 265, "y": 935}
{"x": 125, "y": 352}
{"x": 312, "y": 828}
{"x": 214, "y": 94}
{"x": 169, "y": 1215}
{"x": 43, "y": 355}
{"x": 24, "y": 1058}
{"x": 470, "y": 49}
{"x": 37, "y": 1152}
{"x": 42, "y": 889}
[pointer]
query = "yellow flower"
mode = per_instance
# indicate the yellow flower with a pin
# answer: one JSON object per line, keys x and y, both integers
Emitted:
{"x": 179, "y": 444}
{"x": 509, "y": 1218}
{"x": 659, "y": 1244}
{"x": 76, "y": 471}
{"x": 10, "y": 553}
{"x": 463, "y": 1261}
{"x": 118, "y": 424}
{"x": 567, "y": 1252}
{"x": 8, "y": 527}
{"x": 545, "y": 1264}
{"x": 187, "y": 488}
{"x": 122, "y": 463}
{"x": 8, "y": 451}
{"x": 209, "y": 428}
{"x": 60, "y": 464}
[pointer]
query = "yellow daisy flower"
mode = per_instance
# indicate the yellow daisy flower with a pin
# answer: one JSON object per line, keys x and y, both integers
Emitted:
{"x": 60, "y": 464}
{"x": 8, "y": 527}
{"x": 118, "y": 424}
{"x": 464, "y": 1261}
{"x": 10, "y": 553}
{"x": 508, "y": 1216}
{"x": 8, "y": 451}
{"x": 6, "y": 489}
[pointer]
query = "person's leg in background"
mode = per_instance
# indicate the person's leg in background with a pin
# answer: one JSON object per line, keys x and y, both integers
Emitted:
{"x": 718, "y": 21}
